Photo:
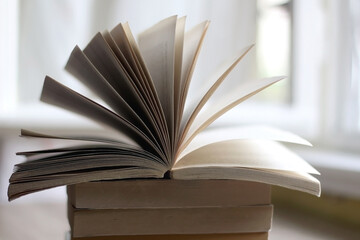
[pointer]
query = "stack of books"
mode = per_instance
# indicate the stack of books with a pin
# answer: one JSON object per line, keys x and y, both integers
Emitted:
{"x": 169, "y": 209}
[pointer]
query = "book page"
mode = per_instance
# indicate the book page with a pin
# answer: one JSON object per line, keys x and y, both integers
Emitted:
{"x": 120, "y": 35}
{"x": 293, "y": 180}
{"x": 140, "y": 63}
{"x": 145, "y": 74}
{"x": 124, "y": 54}
{"x": 157, "y": 46}
{"x": 119, "y": 139}
{"x": 18, "y": 189}
{"x": 179, "y": 45}
{"x": 149, "y": 114}
{"x": 252, "y": 160}
{"x": 57, "y": 94}
{"x": 210, "y": 87}
{"x": 192, "y": 44}
{"x": 137, "y": 58}
{"x": 81, "y": 67}
{"x": 124, "y": 64}
{"x": 259, "y": 132}
{"x": 83, "y": 158}
{"x": 258, "y": 154}
{"x": 105, "y": 61}
{"x": 121, "y": 40}
{"x": 230, "y": 100}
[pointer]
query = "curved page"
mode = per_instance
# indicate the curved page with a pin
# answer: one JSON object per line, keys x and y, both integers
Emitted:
{"x": 57, "y": 94}
{"x": 232, "y": 99}
{"x": 259, "y": 132}
{"x": 192, "y": 44}
{"x": 210, "y": 87}
{"x": 157, "y": 46}
{"x": 257, "y": 154}
{"x": 121, "y": 140}
{"x": 293, "y": 180}
{"x": 17, "y": 190}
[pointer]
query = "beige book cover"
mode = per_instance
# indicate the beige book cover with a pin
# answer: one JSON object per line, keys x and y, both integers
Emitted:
{"x": 159, "y": 221}
{"x": 167, "y": 193}
{"x": 233, "y": 236}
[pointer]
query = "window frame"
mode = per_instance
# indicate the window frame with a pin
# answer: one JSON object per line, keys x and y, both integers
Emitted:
{"x": 9, "y": 55}
{"x": 301, "y": 115}
{"x": 338, "y": 96}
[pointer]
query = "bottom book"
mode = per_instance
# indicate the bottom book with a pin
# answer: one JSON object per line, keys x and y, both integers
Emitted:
{"x": 232, "y": 236}
{"x": 169, "y": 209}
{"x": 170, "y": 221}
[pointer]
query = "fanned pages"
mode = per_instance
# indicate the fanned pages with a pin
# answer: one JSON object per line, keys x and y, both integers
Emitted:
{"x": 192, "y": 44}
{"x": 145, "y": 87}
{"x": 179, "y": 46}
{"x": 128, "y": 54}
{"x": 157, "y": 45}
{"x": 232, "y": 99}
{"x": 209, "y": 89}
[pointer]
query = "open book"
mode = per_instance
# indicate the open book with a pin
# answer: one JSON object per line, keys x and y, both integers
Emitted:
{"x": 144, "y": 86}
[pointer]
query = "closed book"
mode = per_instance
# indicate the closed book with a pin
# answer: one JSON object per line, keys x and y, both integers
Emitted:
{"x": 231, "y": 236}
{"x": 167, "y": 193}
{"x": 165, "y": 221}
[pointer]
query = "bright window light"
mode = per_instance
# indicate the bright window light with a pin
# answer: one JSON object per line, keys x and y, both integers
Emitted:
{"x": 273, "y": 47}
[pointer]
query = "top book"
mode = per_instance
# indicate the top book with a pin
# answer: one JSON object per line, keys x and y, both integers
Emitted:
{"x": 145, "y": 85}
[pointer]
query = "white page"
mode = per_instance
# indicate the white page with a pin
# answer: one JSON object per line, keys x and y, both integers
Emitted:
{"x": 208, "y": 90}
{"x": 58, "y": 95}
{"x": 157, "y": 46}
{"x": 81, "y": 67}
{"x": 293, "y": 180}
{"x": 17, "y": 190}
{"x": 146, "y": 77}
{"x": 230, "y": 100}
{"x": 122, "y": 48}
{"x": 105, "y": 61}
{"x": 179, "y": 45}
{"x": 259, "y": 132}
{"x": 148, "y": 111}
{"x": 100, "y": 138}
{"x": 192, "y": 44}
{"x": 143, "y": 71}
{"x": 257, "y": 154}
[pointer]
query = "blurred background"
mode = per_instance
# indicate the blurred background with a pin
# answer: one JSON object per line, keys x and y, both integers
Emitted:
{"x": 315, "y": 43}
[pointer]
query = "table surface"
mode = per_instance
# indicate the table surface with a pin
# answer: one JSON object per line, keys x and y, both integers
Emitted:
{"x": 48, "y": 221}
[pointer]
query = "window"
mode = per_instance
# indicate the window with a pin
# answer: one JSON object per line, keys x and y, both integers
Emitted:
{"x": 273, "y": 47}
{"x": 341, "y": 115}
{"x": 355, "y": 66}
{"x": 8, "y": 56}
{"x": 296, "y": 106}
